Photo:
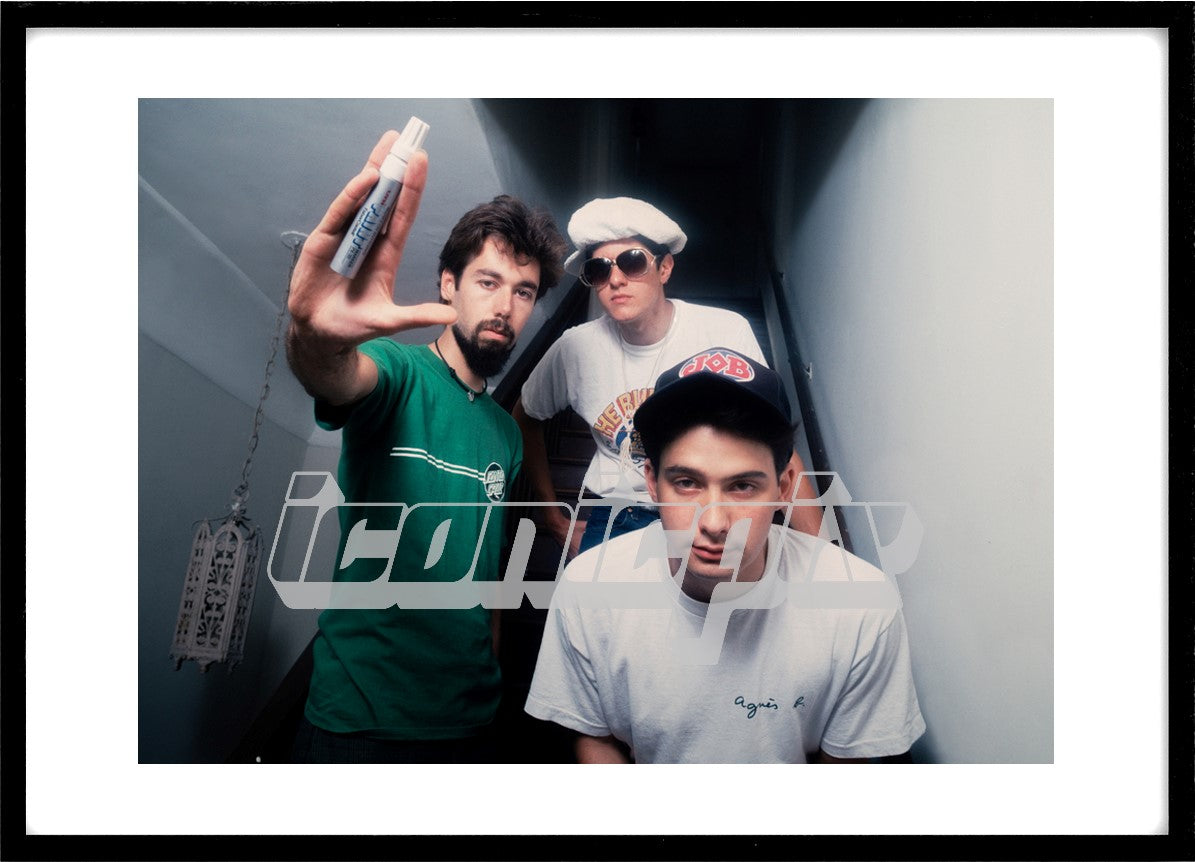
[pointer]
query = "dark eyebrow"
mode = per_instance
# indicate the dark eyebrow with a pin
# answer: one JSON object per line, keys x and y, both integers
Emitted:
{"x": 497, "y": 276}
{"x": 674, "y": 470}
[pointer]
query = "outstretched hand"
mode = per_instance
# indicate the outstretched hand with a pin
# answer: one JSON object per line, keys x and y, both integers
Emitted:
{"x": 339, "y": 312}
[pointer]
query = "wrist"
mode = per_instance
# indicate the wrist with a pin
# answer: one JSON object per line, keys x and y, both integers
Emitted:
{"x": 557, "y": 520}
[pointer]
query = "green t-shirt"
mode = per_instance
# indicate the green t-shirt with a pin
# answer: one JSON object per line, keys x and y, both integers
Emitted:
{"x": 403, "y": 673}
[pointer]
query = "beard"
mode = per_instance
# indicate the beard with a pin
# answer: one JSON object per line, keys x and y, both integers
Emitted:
{"x": 485, "y": 360}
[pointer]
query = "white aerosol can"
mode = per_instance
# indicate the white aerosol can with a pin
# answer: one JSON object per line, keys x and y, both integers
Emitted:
{"x": 375, "y": 212}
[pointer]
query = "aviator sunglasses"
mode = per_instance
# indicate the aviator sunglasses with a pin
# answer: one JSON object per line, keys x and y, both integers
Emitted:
{"x": 632, "y": 263}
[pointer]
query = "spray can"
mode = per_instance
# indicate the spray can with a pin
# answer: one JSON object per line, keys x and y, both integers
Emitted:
{"x": 378, "y": 206}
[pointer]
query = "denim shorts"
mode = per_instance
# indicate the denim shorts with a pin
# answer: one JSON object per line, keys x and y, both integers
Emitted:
{"x": 629, "y": 519}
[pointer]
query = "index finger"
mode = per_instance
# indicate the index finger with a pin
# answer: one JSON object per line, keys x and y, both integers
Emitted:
{"x": 381, "y": 148}
{"x": 327, "y": 234}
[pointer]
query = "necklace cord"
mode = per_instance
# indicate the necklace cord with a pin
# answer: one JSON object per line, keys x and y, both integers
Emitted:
{"x": 473, "y": 393}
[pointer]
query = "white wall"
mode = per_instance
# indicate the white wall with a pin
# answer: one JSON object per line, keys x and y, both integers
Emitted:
{"x": 921, "y": 283}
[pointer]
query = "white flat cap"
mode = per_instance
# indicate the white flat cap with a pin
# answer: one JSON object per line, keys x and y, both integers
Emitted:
{"x": 605, "y": 219}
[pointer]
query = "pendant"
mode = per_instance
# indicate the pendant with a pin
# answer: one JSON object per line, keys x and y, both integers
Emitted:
{"x": 470, "y": 396}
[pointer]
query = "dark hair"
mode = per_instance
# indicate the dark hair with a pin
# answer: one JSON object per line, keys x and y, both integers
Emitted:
{"x": 739, "y": 415}
{"x": 530, "y": 234}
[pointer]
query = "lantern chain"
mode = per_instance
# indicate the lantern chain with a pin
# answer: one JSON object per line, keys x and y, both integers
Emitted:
{"x": 294, "y": 240}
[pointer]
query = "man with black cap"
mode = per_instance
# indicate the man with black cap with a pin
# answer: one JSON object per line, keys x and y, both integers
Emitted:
{"x": 716, "y": 635}
{"x": 603, "y": 369}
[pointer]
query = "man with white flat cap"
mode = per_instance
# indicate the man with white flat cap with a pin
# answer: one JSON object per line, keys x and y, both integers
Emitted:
{"x": 605, "y": 368}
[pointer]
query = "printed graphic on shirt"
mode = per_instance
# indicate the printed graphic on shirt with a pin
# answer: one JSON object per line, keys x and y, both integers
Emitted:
{"x": 615, "y": 426}
{"x": 493, "y": 477}
{"x": 495, "y": 481}
{"x": 754, "y": 705}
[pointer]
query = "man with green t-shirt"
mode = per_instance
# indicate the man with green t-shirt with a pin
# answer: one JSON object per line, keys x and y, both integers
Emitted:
{"x": 419, "y": 429}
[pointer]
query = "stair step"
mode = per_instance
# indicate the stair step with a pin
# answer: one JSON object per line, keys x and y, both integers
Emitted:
{"x": 564, "y": 474}
{"x": 570, "y": 420}
{"x": 573, "y": 447}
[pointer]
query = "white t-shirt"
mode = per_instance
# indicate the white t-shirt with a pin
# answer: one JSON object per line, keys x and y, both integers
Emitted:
{"x": 604, "y": 379}
{"x": 813, "y": 655}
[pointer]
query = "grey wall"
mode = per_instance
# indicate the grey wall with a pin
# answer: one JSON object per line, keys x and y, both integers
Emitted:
{"x": 920, "y": 271}
{"x": 192, "y": 442}
{"x": 219, "y": 182}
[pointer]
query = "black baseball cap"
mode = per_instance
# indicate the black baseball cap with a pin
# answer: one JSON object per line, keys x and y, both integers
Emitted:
{"x": 711, "y": 375}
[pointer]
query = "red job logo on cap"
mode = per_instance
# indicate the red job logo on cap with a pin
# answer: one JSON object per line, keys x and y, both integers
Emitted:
{"x": 720, "y": 362}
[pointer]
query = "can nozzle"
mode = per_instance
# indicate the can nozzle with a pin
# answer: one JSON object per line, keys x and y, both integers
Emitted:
{"x": 411, "y": 139}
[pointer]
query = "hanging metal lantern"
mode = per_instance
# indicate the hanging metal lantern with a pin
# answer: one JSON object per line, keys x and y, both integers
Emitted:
{"x": 217, "y": 595}
{"x": 217, "y": 599}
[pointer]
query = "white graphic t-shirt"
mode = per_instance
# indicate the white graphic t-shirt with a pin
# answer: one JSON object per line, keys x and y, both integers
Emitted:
{"x": 604, "y": 379}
